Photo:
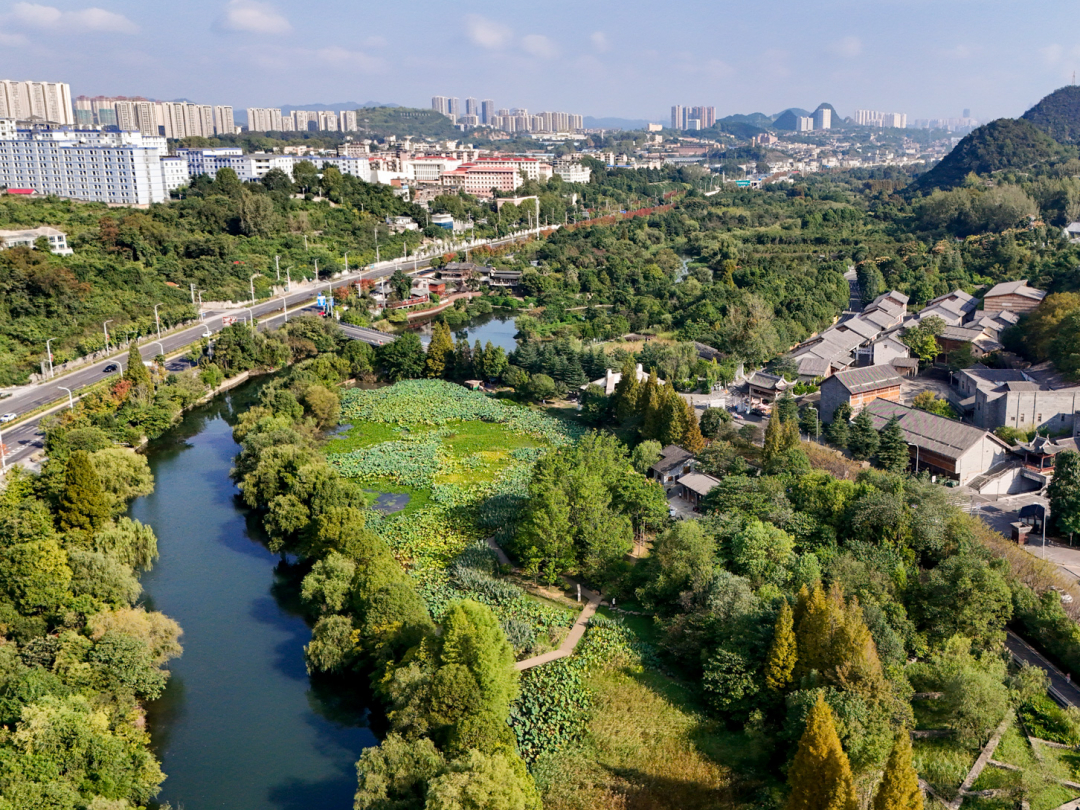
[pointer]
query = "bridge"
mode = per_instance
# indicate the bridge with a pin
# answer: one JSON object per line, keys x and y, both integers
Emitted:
{"x": 372, "y": 336}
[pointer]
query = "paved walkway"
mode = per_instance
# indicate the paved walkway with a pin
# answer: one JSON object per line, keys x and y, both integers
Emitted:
{"x": 981, "y": 762}
{"x": 1061, "y": 688}
{"x": 576, "y": 632}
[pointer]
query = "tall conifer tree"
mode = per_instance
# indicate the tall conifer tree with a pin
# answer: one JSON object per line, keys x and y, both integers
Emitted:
{"x": 440, "y": 354}
{"x": 820, "y": 775}
{"x": 783, "y": 653}
{"x": 83, "y": 506}
{"x": 899, "y": 788}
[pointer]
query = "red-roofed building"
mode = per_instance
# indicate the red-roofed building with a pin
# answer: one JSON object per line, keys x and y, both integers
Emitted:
{"x": 533, "y": 168}
{"x": 480, "y": 180}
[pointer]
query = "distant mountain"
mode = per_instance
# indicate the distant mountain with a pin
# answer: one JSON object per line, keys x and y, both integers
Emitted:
{"x": 799, "y": 111}
{"x": 615, "y": 123}
{"x": 1058, "y": 115}
{"x": 835, "y": 115}
{"x": 789, "y": 119}
{"x": 1007, "y": 143}
{"x": 740, "y": 129}
{"x": 754, "y": 119}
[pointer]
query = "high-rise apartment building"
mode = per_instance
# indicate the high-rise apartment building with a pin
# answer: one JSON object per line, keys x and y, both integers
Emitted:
{"x": 328, "y": 121}
{"x": 678, "y": 117}
{"x": 49, "y": 101}
{"x": 223, "y": 121}
{"x": 873, "y": 118}
{"x": 440, "y": 104}
{"x": 823, "y": 118}
{"x": 692, "y": 117}
{"x": 455, "y": 107}
{"x": 487, "y": 110}
{"x": 264, "y": 119}
{"x": 472, "y": 106}
{"x": 348, "y": 121}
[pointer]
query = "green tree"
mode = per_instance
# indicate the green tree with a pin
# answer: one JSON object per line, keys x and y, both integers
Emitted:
{"x": 892, "y": 451}
{"x": 820, "y": 775}
{"x": 83, "y": 504}
{"x": 136, "y": 373}
{"x": 899, "y": 788}
{"x": 786, "y": 408}
{"x": 402, "y": 359}
{"x": 863, "y": 439}
{"x": 400, "y": 285}
{"x": 784, "y": 652}
{"x": 645, "y": 455}
{"x": 627, "y": 391}
{"x": 712, "y": 421}
{"x": 839, "y": 430}
{"x": 928, "y": 401}
{"x": 124, "y": 475}
{"x": 774, "y": 440}
{"x": 472, "y": 638}
{"x": 809, "y": 423}
{"x": 546, "y": 539}
{"x": 484, "y": 781}
{"x": 1064, "y": 491}
{"x": 395, "y": 774}
{"x": 922, "y": 339}
{"x": 440, "y": 353}
{"x": 691, "y": 439}
{"x": 541, "y": 387}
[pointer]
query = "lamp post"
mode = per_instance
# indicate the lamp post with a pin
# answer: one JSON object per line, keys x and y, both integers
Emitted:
{"x": 288, "y": 279}
{"x": 376, "y": 246}
{"x": 48, "y": 351}
{"x": 71, "y": 400}
{"x": 157, "y": 320}
{"x": 160, "y": 346}
{"x": 277, "y": 268}
{"x": 106, "y": 327}
{"x": 251, "y": 317}
{"x": 199, "y": 293}
{"x": 251, "y": 281}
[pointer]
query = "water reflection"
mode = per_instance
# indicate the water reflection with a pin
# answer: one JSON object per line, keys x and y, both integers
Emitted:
{"x": 241, "y": 725}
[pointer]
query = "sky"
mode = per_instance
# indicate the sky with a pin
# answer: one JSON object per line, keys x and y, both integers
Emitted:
{"x": 633, "y": 59}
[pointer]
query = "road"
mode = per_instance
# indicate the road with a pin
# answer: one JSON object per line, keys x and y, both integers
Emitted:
{"x": 24, "y": 439}
{"x": 1062, "y": 689}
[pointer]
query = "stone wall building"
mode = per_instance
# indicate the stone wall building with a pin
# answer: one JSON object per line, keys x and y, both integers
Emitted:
{"x": 858, "y": 387}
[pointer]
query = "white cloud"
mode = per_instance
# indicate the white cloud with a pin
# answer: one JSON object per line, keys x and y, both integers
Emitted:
{"x": 13, "y": 40}
{"x": 33, "y": 15}
{"x": 342, "y": 57}
{"x": 254, "y": 18}
{"x": 600, "y": 41}
{"x": 848, "y": 47}
{"x": 539, "y": 45}
{"x": 959, "y": 52}
{"x": 488, "y": 33}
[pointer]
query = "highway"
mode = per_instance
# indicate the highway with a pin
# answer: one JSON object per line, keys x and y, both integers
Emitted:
{"x": 22, "y": 439}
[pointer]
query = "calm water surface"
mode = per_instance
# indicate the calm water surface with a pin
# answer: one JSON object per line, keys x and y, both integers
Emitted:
{"x": 499, "y": 329}
{"x": 241, "y": 725}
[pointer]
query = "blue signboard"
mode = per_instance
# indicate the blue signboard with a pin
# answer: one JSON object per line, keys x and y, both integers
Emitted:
{"x": 321, "y": 301}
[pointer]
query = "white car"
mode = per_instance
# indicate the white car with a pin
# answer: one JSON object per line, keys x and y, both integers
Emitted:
{"x": 9, "y": 417}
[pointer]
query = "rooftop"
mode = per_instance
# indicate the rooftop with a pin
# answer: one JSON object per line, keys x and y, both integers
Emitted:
{"x": 1020, "y": 288}
{"x": 670, "y": 457}
{"x": 868, "y": 378}
{"x": 948, "y": 438}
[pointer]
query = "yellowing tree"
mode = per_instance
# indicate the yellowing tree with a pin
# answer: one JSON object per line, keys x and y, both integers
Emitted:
{"x": 899, "y": 788}
{"x": 820, "y": 775}
{"x": 833, "y": 640}
{"x": 783, "y": 654}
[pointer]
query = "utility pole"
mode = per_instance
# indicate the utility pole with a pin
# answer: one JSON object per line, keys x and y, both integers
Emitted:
{"x": 106, "y": 326}
{"x": 48, "y": 351}
{"x": 157, "y": 319}
{"x": 277, "y": 268}
{"x": 346, "y": 263}
{"x": 251, "y": 281}
{"x": 193, "y": 293}
{"x": 376, "y": 246}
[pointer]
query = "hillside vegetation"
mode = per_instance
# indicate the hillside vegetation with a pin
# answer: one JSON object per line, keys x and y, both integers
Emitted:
{"x": 1058, "y": 115}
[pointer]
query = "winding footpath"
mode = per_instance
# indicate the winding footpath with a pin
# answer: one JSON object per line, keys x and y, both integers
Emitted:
{"x": 576, "y": 632}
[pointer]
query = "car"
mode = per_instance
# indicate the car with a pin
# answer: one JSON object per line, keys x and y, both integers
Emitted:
{"x": 9, "y": 417}
{"x": 111, "y": 368}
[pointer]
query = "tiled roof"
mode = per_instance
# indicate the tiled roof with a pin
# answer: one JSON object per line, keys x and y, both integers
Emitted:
{"x": 938, "y": 434}
{"x": 868, "y": 378}
{"x": 700, "y": 483}
{"x": 670, "y": 457}
{"x": 1016, "y": 288}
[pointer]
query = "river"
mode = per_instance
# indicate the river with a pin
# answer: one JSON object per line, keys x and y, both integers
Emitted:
{"x": 241, "y": 725}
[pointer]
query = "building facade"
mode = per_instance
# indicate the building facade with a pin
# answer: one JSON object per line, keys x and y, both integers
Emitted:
{"x": 49, "y": 101}
{"x": 858, "y": 387}
{"x": 112, "y": 167}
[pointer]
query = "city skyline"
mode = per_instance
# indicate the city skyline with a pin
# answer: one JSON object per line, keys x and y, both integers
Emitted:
{"x": 247, "y": 53}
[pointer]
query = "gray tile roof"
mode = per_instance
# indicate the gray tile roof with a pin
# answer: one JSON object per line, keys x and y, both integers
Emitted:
{"x": 1016, "y": 288}
{"x": 938, "y": 434}
{"x": 868, "y": 378}
{"x": 670, "y": 457}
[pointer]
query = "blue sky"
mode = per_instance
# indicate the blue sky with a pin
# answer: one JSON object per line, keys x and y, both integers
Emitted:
{"x": 631, "y": 59}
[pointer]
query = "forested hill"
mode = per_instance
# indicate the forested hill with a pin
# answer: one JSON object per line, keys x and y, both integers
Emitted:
{"x": 1058, "y": 115}
{"x": 1004, "y": 144}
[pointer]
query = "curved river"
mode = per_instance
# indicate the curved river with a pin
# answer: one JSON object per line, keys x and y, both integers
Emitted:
{"x": 241, "y": 725}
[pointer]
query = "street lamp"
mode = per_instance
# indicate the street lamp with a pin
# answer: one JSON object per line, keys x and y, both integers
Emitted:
{"x": 251, "y": 317}
{"x": 160, "y": 345}
{"x": 106, "y": 327}
{"x": 48, "y": 351}
{"x": 251, "y": 281}
{"x": 157, "y": 320}
{"x": 71, "y": 400}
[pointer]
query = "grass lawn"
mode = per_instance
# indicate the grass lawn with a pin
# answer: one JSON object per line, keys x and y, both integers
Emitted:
{"x": 366, "y": 434}
{"x": 646, "y": 748}
{"x": 943, "y": 763}
{"x": 642, "y": 626}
